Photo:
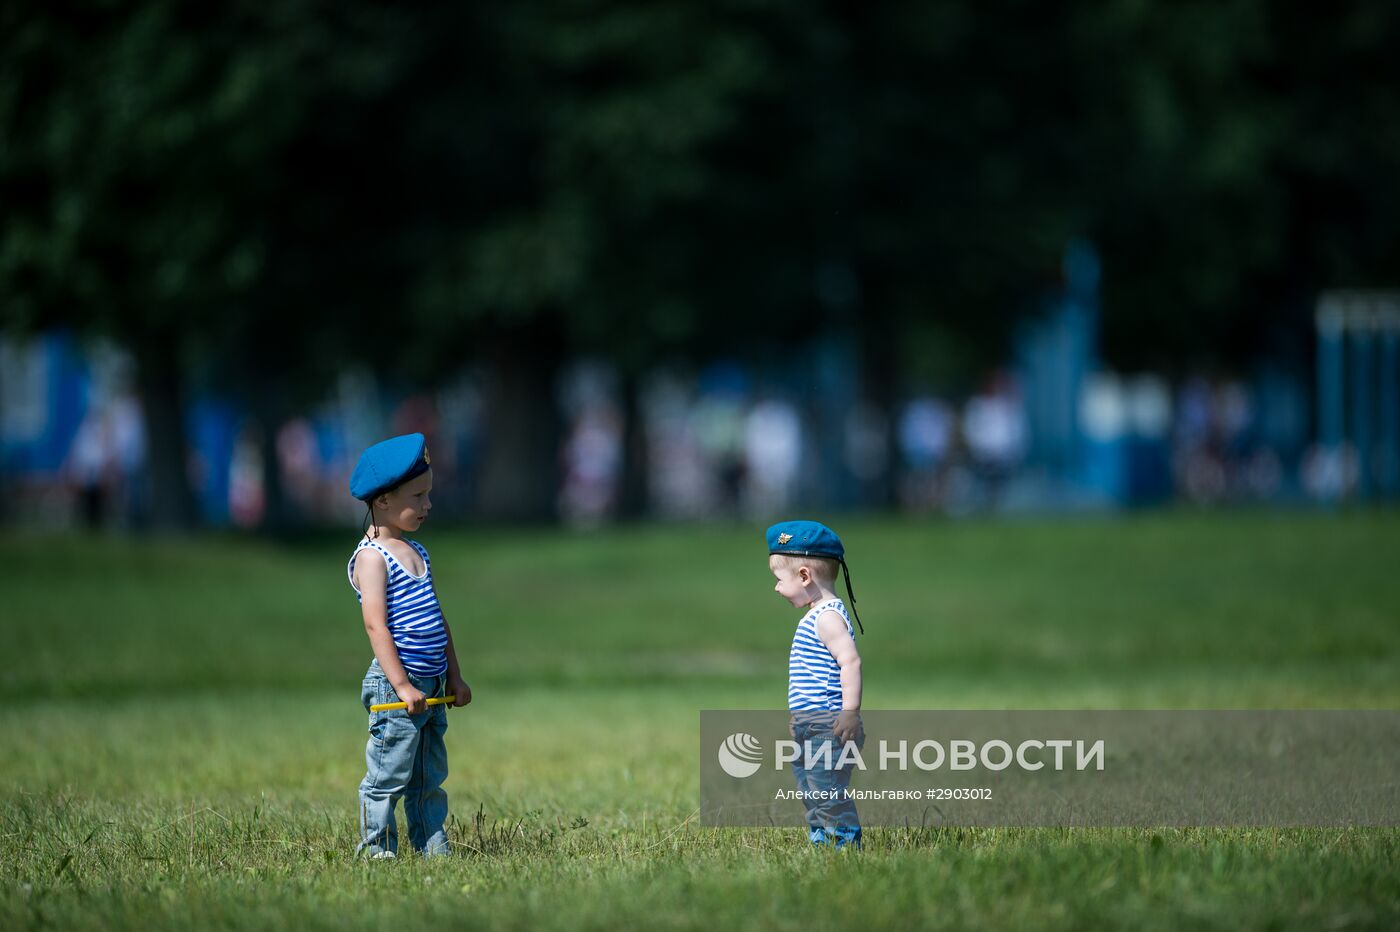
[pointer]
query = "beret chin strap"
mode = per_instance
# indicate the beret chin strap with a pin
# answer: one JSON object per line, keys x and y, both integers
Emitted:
{"x": 852, "y": 593}
{"x": 369, "y": 518}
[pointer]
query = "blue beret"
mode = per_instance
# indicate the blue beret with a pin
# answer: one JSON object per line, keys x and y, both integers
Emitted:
{"x": 387, "y": 464}
{"x": 805, "y": 539}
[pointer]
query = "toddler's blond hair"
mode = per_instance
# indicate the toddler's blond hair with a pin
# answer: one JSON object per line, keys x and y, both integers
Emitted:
{"x": 823, "y": 568}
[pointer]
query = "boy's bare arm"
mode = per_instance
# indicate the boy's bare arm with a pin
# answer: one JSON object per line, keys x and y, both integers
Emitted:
{"x": 831, "y": 628}
{"x": 456, "y": 686}
{"x": 372, "y": 576}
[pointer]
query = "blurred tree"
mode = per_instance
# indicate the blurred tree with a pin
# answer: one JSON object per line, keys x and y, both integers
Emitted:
{"x": 1244, "y": 159}
{"x": 144, "y": 168}
{"x": 583, "y": 236}
{"x": 255, "y": 197}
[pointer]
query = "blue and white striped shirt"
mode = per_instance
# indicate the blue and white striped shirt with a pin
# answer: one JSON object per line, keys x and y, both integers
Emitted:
{"x": 415, "y": 618}
{"x": 814, "y": 679}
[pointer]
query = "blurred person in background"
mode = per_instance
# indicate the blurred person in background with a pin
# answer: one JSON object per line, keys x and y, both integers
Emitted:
{"x": 867, "y": 449}
{"x": 772, "y": 452}
{"x": 246, "y": 501}
{"x": 591, "y": 452}
{"x": 925, "y": 439}
{"x": 92, "y": 467}
{"x": 129, "y": 447}
{"x": 296, "y": 457}
{"x": 719, "y": 427}
{"x": 1200, "y": 476}
{"x": 592, "y": 466}
{"x": 995, "y": 428}
{"x": 679, "y": 481}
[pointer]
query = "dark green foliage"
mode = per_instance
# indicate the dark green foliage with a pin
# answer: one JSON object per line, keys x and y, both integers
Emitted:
{"x": 672, "y": 164}
{"x": 260, "y": 195}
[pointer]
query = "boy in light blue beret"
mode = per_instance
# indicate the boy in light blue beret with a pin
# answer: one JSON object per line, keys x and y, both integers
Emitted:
{"x": 414, "y": 659}
{"x": 824, "y": 676}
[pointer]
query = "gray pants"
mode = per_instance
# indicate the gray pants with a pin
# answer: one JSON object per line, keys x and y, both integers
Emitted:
{"x": 404, "y": 758}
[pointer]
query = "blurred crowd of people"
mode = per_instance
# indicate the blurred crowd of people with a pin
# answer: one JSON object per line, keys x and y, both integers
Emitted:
{"x": 718, "y": 443}
{"x": 719, "y": 450}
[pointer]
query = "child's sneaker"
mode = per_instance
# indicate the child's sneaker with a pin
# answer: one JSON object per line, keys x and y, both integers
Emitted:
{"x": 836, "y": 838}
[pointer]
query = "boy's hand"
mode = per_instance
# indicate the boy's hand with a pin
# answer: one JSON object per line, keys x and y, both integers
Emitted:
{"x": 410, "y": 694}
{"x": 847, "y": 726}
{"x": 456, "y": 686}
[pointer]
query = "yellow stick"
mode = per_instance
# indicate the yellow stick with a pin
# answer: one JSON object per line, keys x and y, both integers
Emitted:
{"x": 391, "y": 706}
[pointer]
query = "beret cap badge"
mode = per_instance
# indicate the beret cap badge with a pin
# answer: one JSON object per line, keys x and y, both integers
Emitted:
{"x": 784, "y": 538}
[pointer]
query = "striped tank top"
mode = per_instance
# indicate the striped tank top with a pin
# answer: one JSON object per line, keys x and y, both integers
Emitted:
{"x": 814, "y": 679}
{"x": 415, "y": 618}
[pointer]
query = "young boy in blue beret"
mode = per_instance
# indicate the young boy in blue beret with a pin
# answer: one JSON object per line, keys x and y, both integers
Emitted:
{"x": 414, "y": 660}
{"x": 824, "y": 677}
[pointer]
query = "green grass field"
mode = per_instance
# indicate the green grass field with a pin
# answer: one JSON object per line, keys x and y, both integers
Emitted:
{"x": 184, "y": 735}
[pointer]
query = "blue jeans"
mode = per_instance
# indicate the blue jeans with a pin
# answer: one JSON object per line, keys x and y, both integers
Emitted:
{"x": 405, "y": 758}
{"x": 831, "y": 817}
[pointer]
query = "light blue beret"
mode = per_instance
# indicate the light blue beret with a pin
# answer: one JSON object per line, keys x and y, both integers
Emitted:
{"x": 805, "y": 539}
{"x": 387, "y": 464}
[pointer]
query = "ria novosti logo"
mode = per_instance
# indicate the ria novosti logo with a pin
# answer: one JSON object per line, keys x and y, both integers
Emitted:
{"x": 740, "y": 755}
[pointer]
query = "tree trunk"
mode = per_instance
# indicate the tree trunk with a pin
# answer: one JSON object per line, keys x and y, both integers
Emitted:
{"x": 171, "y": 500}
{"x": 520, "y": 473}
{"x": 280, "y": 514}
{"x": 633, "y": 503}
{"x": 881, "y": 376}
